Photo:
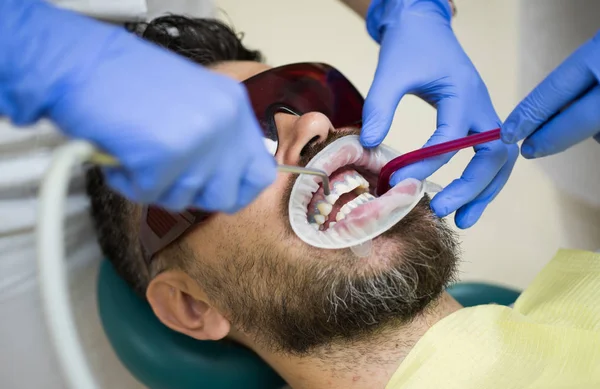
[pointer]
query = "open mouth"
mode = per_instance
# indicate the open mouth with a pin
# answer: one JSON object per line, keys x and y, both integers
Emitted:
{"x": 351, "y": 214}
{"x": 351, "y": 187}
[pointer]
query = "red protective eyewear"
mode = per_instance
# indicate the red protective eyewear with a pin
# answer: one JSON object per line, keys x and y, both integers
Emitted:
{"x": 297, "y": 89}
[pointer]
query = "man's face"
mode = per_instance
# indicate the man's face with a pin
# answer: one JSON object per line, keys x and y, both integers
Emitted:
{"x": 292, "y": 297}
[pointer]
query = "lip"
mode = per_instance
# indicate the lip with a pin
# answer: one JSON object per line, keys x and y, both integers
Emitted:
{"x": 344, "y": 155}
{"x": 365, "y": 221}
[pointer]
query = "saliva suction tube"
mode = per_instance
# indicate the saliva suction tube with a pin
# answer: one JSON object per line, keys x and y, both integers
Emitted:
{"x": 352, "y": 215}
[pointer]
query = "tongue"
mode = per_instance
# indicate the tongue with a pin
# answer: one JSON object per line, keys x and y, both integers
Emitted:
{"x": 343, "y": 200}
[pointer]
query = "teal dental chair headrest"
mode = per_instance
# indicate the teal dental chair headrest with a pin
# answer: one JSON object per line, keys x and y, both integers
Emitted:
{"x": 164, "y": 359}
{"x": 161, "y": 358}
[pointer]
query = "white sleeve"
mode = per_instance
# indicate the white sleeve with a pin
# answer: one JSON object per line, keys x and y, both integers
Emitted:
{"x": 192, "y": 8}
{"x": 113, "y": 10}
{"x": 126, "y": 10}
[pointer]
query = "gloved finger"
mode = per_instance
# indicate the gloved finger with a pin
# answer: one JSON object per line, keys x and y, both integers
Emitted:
{"x": 220, "y": 192}
{"x": 452, "y": 123}
{"x": 561, "y": 87}
{"x": 185, "y": 189}
{"x": 259, "y": 175}
{"x": 467, "y": 215}
{"x": 480, "y": 171}
{"x": 578, "y": 122}
{"x": 151, "y": 183}
{"x": 381, "y": 103}
{"x": 488, "y": 160}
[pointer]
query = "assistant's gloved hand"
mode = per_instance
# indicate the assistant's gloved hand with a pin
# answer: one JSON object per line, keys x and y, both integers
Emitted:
{"x": 420, "y": 55}
{"x": 186, "y": 136}
{"x": 562, "y": 110}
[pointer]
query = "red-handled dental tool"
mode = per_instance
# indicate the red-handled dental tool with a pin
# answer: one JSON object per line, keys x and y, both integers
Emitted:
{"x": 383, "y": 185}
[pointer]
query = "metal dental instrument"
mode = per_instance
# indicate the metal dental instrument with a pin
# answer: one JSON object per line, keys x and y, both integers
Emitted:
{"x": 306, "y": 170}
{"x": 107, "y": 160}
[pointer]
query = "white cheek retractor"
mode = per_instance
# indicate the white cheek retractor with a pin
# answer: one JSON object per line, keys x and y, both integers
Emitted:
{"x": 366, "y": 221}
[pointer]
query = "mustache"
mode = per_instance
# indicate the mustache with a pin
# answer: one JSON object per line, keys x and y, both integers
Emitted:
{"x": 311, "y": 150}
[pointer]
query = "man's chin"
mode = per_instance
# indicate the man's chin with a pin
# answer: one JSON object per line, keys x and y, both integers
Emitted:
{"x": 294, "y": 297}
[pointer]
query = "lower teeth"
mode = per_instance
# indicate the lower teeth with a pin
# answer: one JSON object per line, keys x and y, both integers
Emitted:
{"x": 325, "y": 209}
{"x": 320, "y": 219}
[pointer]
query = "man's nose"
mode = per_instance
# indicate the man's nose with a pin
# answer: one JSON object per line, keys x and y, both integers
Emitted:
{"x": 298, "y": 132}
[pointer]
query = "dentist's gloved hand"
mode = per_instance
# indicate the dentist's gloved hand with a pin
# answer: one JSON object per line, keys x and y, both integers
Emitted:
{"x": 185, "y": 136}
{"x": 420, "y": 55}
{"x": 562, "y": 110}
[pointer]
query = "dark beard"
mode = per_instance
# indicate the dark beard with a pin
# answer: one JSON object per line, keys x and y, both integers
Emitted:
{"x": 297, "y": 300}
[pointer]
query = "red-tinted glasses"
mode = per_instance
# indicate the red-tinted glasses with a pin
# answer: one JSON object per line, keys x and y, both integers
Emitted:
{"x": 298, "y": 89}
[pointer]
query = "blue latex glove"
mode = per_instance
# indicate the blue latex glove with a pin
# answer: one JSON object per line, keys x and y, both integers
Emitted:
{"x": 420, "y": 55}
{"x": 540, "y": 118}
{"x": 186, "y": 136}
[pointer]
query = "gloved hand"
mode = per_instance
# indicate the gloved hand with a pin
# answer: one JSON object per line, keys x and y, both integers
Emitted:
{"x": 185, "y": 136}
{"x": 572, "y": 86}
{"x": 420, "y": 55}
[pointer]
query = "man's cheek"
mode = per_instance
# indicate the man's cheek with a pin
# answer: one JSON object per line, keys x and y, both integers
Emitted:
{"x": 264, "y": 207}
{"x": 263, "y": 218}
{"x": 274, "y": 193}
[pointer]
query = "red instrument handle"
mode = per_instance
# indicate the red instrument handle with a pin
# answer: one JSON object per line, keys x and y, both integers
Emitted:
{"x": 383, "y": 185}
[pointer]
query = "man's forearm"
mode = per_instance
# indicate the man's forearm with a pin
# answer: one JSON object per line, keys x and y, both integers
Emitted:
{"x": 361, "y": 6}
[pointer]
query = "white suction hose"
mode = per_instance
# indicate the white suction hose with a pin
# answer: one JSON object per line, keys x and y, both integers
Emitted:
{"x": 54, "y": 283}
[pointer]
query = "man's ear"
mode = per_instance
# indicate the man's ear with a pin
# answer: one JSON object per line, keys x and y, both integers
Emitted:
{"x": 179, "y": 303}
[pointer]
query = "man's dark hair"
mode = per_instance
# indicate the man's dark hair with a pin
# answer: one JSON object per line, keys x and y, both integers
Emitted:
{"x": 116, "y": 220}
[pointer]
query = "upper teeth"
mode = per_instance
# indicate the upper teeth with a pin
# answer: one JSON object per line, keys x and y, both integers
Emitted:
{"x": 351, "y": 182}
{"x": 320, "y": 219}
{"x": 331, "y": 198}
